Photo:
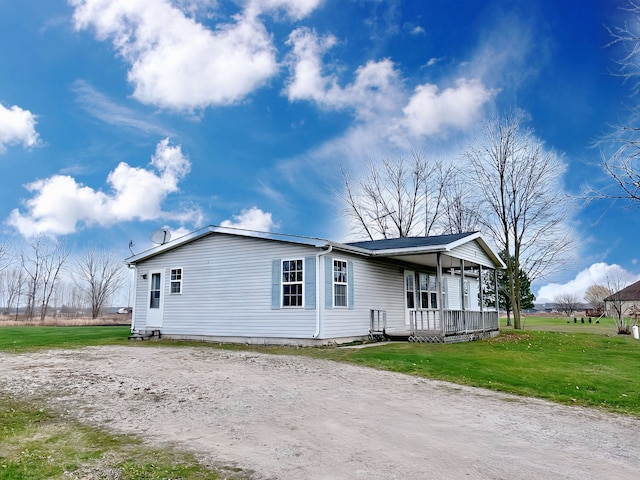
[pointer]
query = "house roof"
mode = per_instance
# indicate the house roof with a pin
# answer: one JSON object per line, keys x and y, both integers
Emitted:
{"x": 400, "y": 248}
{"x": 411, "y": 242}
{"x": 628, "y": 294}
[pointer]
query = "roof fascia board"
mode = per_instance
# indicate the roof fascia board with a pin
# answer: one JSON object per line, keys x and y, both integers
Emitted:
{"x": 203, "y": 232}
{"x": 410, "y": 250}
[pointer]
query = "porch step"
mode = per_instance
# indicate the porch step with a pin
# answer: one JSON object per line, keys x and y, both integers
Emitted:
{"x": 146, "y": 335}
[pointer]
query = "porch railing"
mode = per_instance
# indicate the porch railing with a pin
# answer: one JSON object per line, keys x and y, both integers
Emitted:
{"x": 454, "y": 321}
{"x": 378, "y": 321}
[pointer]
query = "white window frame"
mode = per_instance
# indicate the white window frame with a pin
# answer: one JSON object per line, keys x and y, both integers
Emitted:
{"x": 344, "y": 283}
{"x": 288, "y": 282}
{"x": 431, "y": 290}
{"x": 177, "y": 281}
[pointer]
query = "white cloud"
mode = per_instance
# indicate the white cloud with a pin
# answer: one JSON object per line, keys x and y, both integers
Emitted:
{"x": 377, "y": 95}
{"x": 60, "y": 204}
{"x": 17, "y": 126}
{"x": 178, "y": 63}
{"x": 596, "y": 274}
{"x": 307, "y": 82}
{"x": 429, "y": 111}
{"x": 105, "y": 109}
{"x": 374, "y": 91}
{"x": 296, "y": 9}
{"x": 178, "y": 232}
{"x": 251, "y": 219}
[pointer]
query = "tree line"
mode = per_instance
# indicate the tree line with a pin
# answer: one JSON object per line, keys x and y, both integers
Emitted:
{"x": 505, "y": 184}
{"x": 42, "y": 275}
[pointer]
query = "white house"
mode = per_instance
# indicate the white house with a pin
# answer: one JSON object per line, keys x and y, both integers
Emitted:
{"x": 231, "y": 285}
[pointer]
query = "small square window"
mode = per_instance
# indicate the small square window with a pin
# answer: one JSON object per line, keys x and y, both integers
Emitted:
{"x": 176, "y": 281}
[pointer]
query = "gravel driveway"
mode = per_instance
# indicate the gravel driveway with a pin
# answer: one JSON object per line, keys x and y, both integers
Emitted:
{"x": 288, "y": 417}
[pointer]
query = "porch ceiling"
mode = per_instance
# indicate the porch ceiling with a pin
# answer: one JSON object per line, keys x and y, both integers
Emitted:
{"x": 431, "y": 260}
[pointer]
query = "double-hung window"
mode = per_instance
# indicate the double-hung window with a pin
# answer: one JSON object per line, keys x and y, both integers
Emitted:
{"x": 292, "y": 283}
{"x": 339, "y": 283}
{"x": 176, "y": 280}
{"x": 428, "y": 291}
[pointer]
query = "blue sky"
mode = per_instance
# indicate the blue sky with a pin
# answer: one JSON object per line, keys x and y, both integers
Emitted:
{"x": 119, "y": 117}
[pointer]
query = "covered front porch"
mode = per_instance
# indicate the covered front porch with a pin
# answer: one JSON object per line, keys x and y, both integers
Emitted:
{"x": 428, "y": 326}
{"x": 449, "y": 294}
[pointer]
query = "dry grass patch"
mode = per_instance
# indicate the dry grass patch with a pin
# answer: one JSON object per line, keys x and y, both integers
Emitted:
{"x": 103, "y": 320}
{"x": 35, "y": 444}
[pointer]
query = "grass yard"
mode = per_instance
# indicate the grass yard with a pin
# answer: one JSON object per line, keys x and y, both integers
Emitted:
{"x": 573, "y": 324}
{"x": 19, "y": 339}
{"x": 572, "y": 368}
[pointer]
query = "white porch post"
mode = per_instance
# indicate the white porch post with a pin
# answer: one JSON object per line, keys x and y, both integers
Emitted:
{"x": 481, "y": 296}
{"x": 497, "y": 302}
{"x": 441, "y": 307}
{"x": 464, "y": 309}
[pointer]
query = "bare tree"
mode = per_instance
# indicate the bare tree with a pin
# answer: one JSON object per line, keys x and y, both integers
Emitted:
{"x": 14, "y": 285}
{"x": 595, "y": 296}
{"x": 42, "y": 264}
{"x": 522, "y": 202}
{"x": 567, "y": 303}
{"x": 621, "y": 147}
{"x": 460, "y": 211}
{"x": 617, "y": 279}
{"x": 5, "y": 257}
{"x": 397, "y": 198}
{"x": 99, "y": 274}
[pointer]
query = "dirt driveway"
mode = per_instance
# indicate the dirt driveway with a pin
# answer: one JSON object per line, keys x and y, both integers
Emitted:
{"x": 300, "y": 418}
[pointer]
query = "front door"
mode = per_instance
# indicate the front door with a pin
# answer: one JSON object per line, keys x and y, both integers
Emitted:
{"x": 410, "y": 295}
{"x": 155, "y": 300}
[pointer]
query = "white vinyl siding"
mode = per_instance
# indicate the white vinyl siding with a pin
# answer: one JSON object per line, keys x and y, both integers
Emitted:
{"x": 371, "y": 286}
{"x": 472, "y": 252}
{"x": 228, "y": 289}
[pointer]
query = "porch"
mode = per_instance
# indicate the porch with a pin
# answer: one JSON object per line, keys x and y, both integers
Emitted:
{"x": 439, "y": 326}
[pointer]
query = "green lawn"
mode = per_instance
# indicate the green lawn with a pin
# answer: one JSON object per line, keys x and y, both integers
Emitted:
{"x": 17, "y": 339}
{"x": 573, "y": 324}
{"x": 573, "y": 368}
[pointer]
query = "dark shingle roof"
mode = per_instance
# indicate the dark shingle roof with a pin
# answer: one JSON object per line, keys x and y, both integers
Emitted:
{"x": 630, "y": 293}
{"x": 410, "y": 242}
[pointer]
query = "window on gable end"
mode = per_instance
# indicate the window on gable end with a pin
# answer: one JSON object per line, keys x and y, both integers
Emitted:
{"x": 176, "y": 281}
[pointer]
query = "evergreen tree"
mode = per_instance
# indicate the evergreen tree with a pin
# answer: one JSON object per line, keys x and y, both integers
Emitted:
{"x": 488, "y": 290}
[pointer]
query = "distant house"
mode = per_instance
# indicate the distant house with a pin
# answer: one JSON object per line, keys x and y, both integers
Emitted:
{"x": 624, "y": 303}
{"x": 230, "y": 285}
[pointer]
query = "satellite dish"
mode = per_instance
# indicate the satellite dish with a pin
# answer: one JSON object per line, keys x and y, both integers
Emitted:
{"x": 161, "y": 236}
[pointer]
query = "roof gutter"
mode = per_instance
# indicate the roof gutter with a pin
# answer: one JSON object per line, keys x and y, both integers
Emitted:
{"x": 318, "y": 307}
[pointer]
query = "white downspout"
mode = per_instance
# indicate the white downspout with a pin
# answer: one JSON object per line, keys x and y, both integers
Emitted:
{"x": 135, "y": 294}
{"x": 318, "y": 305}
